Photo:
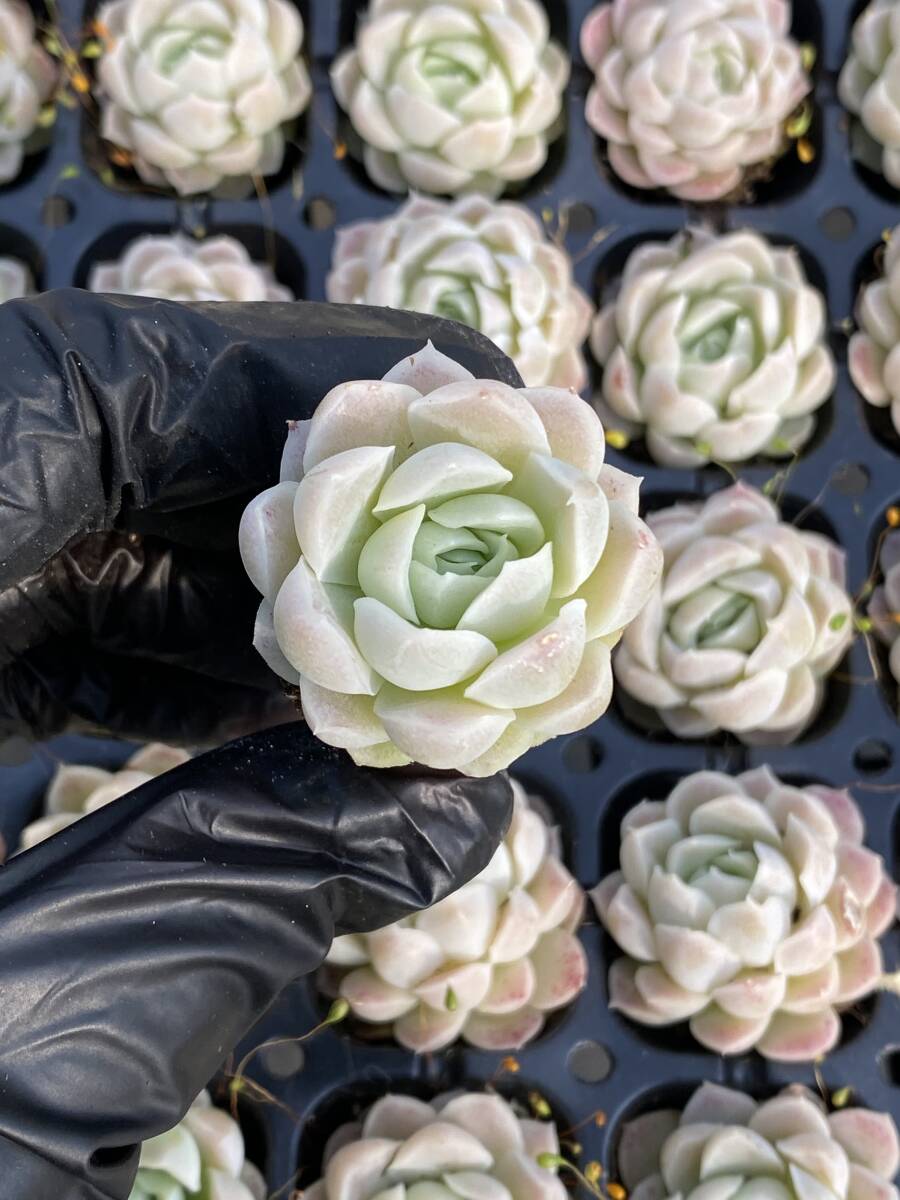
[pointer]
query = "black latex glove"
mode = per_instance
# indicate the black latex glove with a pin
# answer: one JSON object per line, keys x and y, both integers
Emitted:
{"x": 133, "y": 433}
{"x": 138, "y": 946}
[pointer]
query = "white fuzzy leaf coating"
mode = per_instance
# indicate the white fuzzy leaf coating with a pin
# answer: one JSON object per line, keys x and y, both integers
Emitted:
{"x": 687, "y": 369}
{"x": 452, "y": 97}
{"x": 740, "y": 906}
{"x": 692, "y": 95}
{"x": 199, "y": 94}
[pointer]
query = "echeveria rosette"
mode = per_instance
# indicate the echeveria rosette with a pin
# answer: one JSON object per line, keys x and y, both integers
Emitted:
{"x": 874, "y": 354}
{"x": 486, "y": 964}
{"x": 453, "y": 97}
{"x": 445, "y": 567}
{"x": 462, "y": 1146}
{"x": 692, "y": 95}
{"x": 15, "y": 279}
{"x": 714, "y": 348}
{"x": 725, "y": 1145}
{"x": 200, "y": 93}
{"x": 202, "y": 1158}
{"x": 884, "y": 608}
{"x": 750, "y": 616}
{"x": 487, "y": 264}
{"x": 869, "y": 87}
{"x": 27, "y": 80}
{"x": 181, "y": 268}
{"x": 76, "y": 790}
{"x": 750, "y": 908}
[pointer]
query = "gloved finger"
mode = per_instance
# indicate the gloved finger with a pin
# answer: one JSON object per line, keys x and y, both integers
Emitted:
{"x": 141, "y": 944}
{"x": 66, "y": 686}
{"x": 127, "y": 595}
{"x": 122, "y": 410}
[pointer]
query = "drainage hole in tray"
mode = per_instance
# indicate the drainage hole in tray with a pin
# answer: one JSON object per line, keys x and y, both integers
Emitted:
{"x": 320, "y": 213}
{"x": 838, "y": 224}
{"x": 873, "y": 757}
{"x": 590, "y": 1062}
{"x": 889, "y": 1061}
{"x": 582, "y": 754}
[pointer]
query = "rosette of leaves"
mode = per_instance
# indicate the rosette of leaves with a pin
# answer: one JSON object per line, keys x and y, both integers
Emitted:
{"x": 874, "y": 354}
{"x": 76, "y": 790}
{"x": 182, "y": 268}
{"x": 692, "y": 95}
{"x": 27, "y": 81}
{"x": 445, "y": 567}
{"x": 714, "y": 348}
{"x": 486, "y": 964}
{"x": 202, "y": 1158}
{"x": 884, "y": 608}
{"x": 748, "y": 619}
{"x": 488, "y": 265}
{"x": 199, "y": 93}
{"x": 869, "y": 87}
{"x": 751, "y": 909}
{"x": 724, "y": 1144}
{"x": 462, "y": 1146}
{"x": 453, "y": 97}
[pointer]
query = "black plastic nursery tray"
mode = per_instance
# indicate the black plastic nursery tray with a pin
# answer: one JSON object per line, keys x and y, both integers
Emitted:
{"x": 62, "y": 216}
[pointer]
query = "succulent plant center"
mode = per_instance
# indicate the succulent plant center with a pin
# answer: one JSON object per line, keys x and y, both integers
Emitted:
{"x": 717, "y": 618}
{"x": 431, "y": 562}
{"x": 172, "y": 46}
{"x": 449, "y": 69}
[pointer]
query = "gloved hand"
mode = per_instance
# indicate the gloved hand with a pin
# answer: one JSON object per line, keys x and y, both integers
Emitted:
{"x": 140, "y": 945}
{"x": 133, "y": 433}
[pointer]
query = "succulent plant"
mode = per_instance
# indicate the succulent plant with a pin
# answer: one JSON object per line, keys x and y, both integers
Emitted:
{"x": 15, "y": 279}
{"x": 202, "y": 1158}
{"x": 452, "y": 97}
{"x": 714, "y": 348}
{"x": 726, "y": 1145}
{"x": 884, "y": 609}
{"x": 874, "y": 354}
{"x": 445, "y": 566}
{"x": 749, "y": 617}
{"x": 200, "y": 93}
{"x": 486, "y": 264}
{"x": 76, "y": 790}
{"x": 182, "y": 268}
{"x": 462, "y": 1146}
{"x": 750, "y": 908}
{"x": 692, "y": 95}
{"x": 27, "y": 79}
{"x": 868, "y": 87}
{"x": 487, "y": 963}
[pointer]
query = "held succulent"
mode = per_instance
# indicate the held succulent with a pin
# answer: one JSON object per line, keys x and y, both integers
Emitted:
{"x": 692, "y": 95}
{"x": 462, "y": 1146}
{"x": 27, "y": 80}
{"x": 488, "y": 265}
{"x": 76, "y": 791}
{"x": 182, "y": 268}
{"x": 202, "y": 1158}
{"x": 714, "y": 349}
{"x": 884, "y": 609}
{"x": 199, "y": 93}
{"x": 487, "y": 963}
{"x": 868, "y": 87}
{"x": 750, "y": 616}
{"x": 726, "y": 1145}
{"x": 445, "y": 566}
{"x": 750, "y": 908}
{"x": 874, "y": 354}
{"x": 15, "y": 279}
{"x": 452, "y": 97}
